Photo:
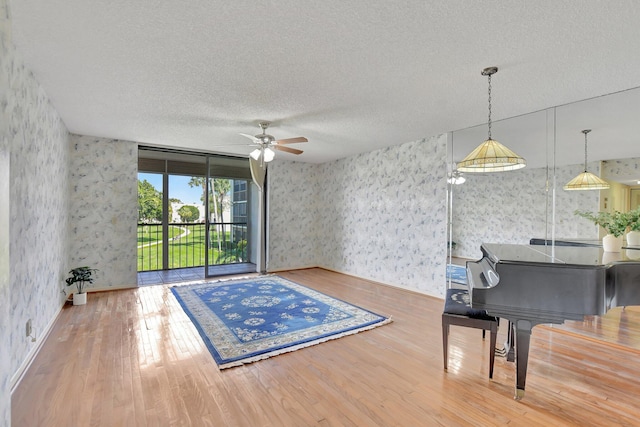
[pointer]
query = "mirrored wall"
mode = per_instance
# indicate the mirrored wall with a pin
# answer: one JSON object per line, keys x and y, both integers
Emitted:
{"x": 516, "y": 206}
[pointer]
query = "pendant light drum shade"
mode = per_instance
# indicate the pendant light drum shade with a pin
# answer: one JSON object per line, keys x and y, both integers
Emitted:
{"x": 586, "y": 180}
{"x": 491, "y": 156}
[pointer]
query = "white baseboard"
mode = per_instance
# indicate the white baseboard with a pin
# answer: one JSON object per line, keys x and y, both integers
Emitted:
{"x": 393, "y": 285}
{"x": 369, "y": 279}
{"x": 277, "y": 270}
{"x": 110, "y": 288}
{"x": 17, "y": 376}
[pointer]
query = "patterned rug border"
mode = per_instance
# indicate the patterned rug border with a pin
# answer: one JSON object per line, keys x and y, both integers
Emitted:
{"x": 293, "y": 347}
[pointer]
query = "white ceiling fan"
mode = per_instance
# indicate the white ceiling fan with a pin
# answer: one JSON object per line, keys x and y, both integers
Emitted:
{"x": 266, "y": 144}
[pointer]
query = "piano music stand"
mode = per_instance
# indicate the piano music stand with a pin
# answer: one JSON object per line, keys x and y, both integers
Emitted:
{"x": 458, "y": 312}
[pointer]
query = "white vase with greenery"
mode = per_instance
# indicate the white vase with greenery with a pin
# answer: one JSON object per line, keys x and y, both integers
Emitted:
{"x": 615, "y": 223}
{"x": 633, "y": 236}
{"x": 611, "y": 243}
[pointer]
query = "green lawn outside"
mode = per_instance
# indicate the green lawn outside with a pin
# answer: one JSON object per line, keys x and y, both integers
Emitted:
{"x": 184, "y": 250}
{"x": 153, "y": 233}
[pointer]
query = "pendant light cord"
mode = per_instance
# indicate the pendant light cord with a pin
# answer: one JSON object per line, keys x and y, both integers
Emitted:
{"x": 489, "y": 120}
{"x": 586, "y": 131}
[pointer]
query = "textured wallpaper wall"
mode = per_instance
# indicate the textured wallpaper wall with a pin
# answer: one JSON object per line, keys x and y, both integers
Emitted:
{"x": 567, "y": 224}
{"x": 515, "y": 206}
{"x": 384, "y": 215}
{"x": 5, "y": 292}
{"x": 104, "y": 209}
{"x": 293, "y": 215}
{"x": 39, "y": 195}
{"x": 379, "y": 215}
{"x": 613, "y": 169}
{"x": 6, "y": 58}
{"x": 508, "y": 207}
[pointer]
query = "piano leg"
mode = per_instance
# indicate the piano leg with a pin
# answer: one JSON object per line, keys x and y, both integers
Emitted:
{"x": 509, "y": 343}
{"x": 523, "y": 337}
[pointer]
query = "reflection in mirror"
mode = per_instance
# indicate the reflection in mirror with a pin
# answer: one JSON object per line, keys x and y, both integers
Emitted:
{"x": 614, "y": 152}
{"x": 635, "y": 197}
{"x": 505, "y": 207}
{"x": 515, "y": 206}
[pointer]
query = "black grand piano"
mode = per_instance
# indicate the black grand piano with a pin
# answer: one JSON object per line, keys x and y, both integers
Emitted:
{"x": 534, "y": 284}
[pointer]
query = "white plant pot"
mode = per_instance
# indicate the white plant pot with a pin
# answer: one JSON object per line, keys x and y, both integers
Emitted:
{"x": 80, "y": 299}
{"x": 609, "y": 257}
{"x": 610, "y": 243}
{"x": 633, "y": 254}
{"x": 633, "y": 238}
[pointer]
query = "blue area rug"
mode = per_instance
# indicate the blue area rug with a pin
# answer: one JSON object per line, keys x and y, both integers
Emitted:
{"x": 242, "y": 321}
{"x": 457, "y": 274}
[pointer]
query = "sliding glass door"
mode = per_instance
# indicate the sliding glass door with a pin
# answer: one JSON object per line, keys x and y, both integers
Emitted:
{"x": 228, "y": 220}
{"x": 194, "y": 212}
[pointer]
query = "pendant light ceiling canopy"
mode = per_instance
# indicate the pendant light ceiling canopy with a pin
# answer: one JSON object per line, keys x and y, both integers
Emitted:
{"x": 491, "y": 156}
{"x": 586, "y": 180}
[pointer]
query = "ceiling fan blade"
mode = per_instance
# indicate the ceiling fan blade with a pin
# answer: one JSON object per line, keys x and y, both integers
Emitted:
{"x": 292, "y": 140}
{"x": 251, "y": 137}
{"x": 287, "y": 149}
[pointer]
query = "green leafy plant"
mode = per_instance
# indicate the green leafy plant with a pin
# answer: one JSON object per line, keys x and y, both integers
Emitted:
{"x": 615, "y": 222}
{"x": 634, "y": 219}
{"x": 81, "y": 276}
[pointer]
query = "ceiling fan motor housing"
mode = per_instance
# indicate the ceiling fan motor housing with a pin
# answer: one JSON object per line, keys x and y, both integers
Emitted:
{"x": 267, "y": 142}
{"x": 265, "y": 139}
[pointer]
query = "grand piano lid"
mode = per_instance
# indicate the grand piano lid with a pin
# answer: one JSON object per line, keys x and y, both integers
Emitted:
{"x": 567, "y": 255}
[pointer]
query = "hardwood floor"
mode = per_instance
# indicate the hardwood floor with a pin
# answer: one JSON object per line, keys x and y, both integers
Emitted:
{"x": 133, "y": 358}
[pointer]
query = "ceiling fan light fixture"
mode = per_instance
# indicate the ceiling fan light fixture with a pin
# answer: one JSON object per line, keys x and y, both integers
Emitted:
{"x": 491, "y": 156}
{"x": 255, "y": 154}
{"x": 267, "y": 144}
{"x": 586, "y": 180}
{"x": 269, "y": 154}
{"x": 456, "y": 178}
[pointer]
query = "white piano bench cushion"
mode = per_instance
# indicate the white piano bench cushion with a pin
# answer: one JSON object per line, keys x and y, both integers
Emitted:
{"x": 457, "y": 302}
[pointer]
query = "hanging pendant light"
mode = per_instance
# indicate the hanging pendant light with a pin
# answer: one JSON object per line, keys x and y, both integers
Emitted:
{"x": 491, "y": 156}
{"x": 586, "y": 180}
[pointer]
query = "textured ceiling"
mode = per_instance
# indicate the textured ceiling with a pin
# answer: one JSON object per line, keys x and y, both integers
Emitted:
{"x": 351, "y": 76}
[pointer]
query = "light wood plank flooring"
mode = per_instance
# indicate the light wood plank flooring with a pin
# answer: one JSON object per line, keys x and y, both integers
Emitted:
{"x": 133, "y": 358}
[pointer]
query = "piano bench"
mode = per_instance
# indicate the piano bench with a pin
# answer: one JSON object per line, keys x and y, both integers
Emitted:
{"x": 458, "y": 312}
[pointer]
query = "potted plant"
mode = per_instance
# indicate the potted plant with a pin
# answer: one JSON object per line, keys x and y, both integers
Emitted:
{"x": 615, "y": 223}
{"x": 633, "y": 236}
{"x": 81, "y": 277}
